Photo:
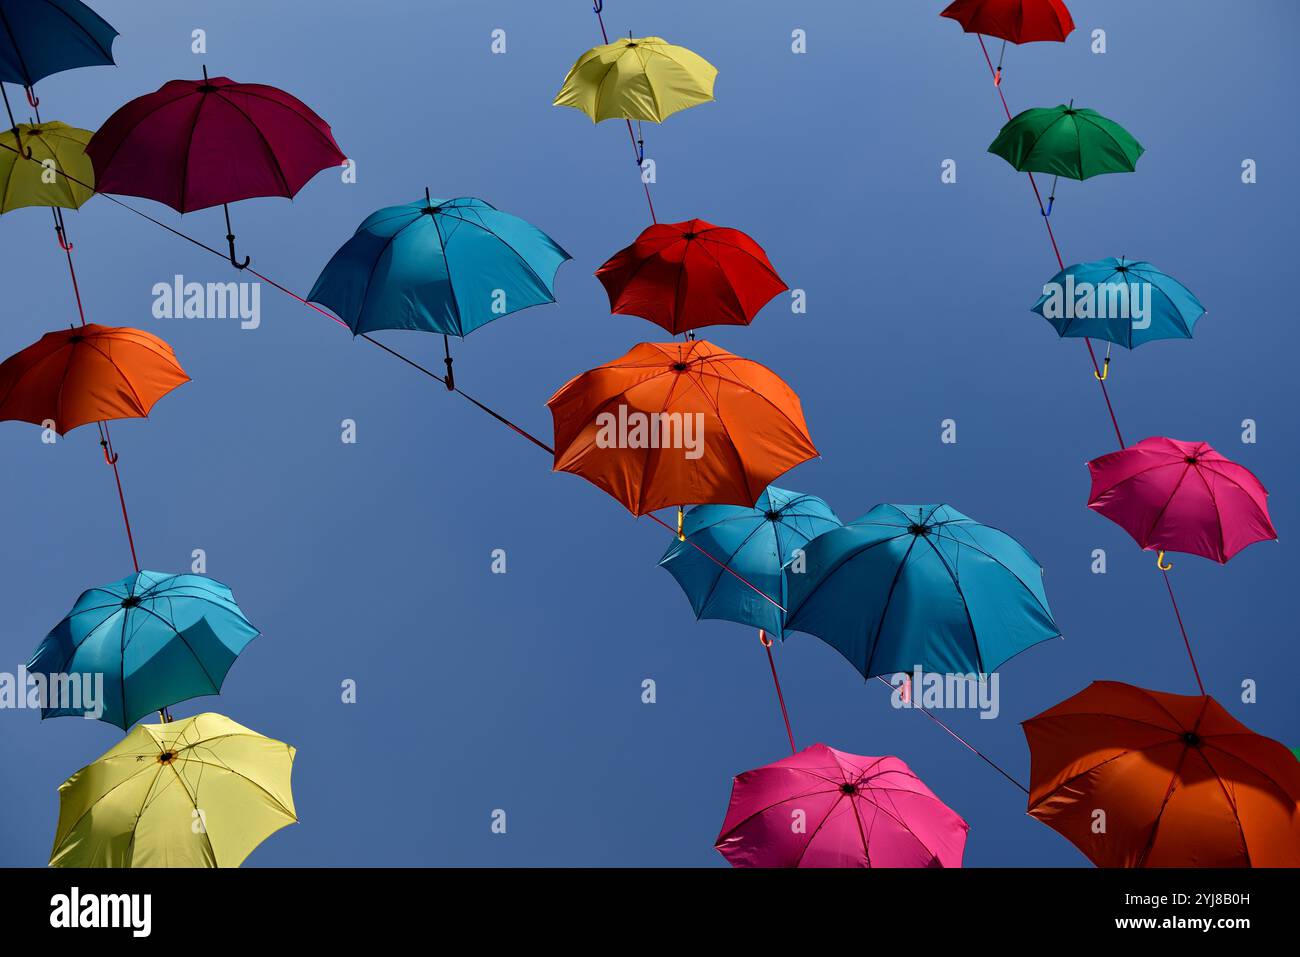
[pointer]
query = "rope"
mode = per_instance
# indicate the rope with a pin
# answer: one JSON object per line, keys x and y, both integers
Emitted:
{"x": 636, "y": 148}
{"x": 519, "y": 430}
{"x": 1096, "y": 368}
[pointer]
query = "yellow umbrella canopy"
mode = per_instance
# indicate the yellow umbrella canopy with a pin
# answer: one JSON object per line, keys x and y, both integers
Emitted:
{"x": 200, "y": 792}
{"x": 639, "y": 78}
{"x": 57, "y": 149}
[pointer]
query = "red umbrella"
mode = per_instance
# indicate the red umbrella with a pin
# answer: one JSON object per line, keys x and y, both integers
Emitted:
{"x": 828, "y": 808}
{"x": 1020, "y": 21}
{"x": 193, "y": 144}
{"x": 1181, "y": 497}
{"x": 686, "y": 275}
{"x": 1138, "y": 778}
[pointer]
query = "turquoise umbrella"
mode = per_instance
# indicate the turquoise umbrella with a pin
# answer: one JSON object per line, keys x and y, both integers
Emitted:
{"x": 156, "y": 639}
{"x": 729, "y": 548}
{"x": 1119, "y": 300}
{"x": 920, "y": 585}
{"x": 439, "y": 265}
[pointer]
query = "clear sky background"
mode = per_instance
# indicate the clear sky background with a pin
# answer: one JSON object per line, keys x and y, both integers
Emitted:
{"x": 522, "y": 691}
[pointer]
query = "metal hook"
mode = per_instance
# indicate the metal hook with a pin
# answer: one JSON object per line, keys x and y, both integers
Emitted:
{"x": 1160, "y": 562}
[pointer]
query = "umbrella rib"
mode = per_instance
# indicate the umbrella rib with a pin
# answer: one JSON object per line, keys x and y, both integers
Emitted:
{"x": 1107, "y": 133}
{"x": 735, "y": 379}
{"x": 728, "y": 284}
{"x": 965, "y": 607}
{"x": 654, "y": 97}
{"x": 252, "y": 90}
{"x": 1024, "y": 584}
{"x": 1236, "y": 816}
{"x": 791, "y": 612}
{"x": 758, "y": 261}
{"x": 227, "y": 768}
{"x": 86, "y": 33}
{"x": 189, "y": 149}
{"x": 82, "y": 816}
{"x": 518, "y": 254}
{"x": 270, "y": 151}
{"x": 722, "y": 567}
{"x": 884, "y": 608}
{"x": 144, "y": 411}
{"x": 1169, "y": 501}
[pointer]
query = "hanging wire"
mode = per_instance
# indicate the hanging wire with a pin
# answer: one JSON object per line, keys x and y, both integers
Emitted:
{"x": 1098, "y": 371}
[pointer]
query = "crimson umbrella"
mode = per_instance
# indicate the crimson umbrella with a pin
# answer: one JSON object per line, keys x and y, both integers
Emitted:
{"x": 1181, "y": 497}
{"x": 686, "y": 275}
{"x": 1018, "y": 21}
{"x": 828, "y": 808}
{"x": 193, "y": 144}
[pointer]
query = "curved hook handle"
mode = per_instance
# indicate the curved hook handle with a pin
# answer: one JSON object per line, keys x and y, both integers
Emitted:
{"x": 1051, "y": 201}
{"x": 1105, "y": 370}
{"x": 599, "y": 7}
{"x": 1161, "y": 563}
{"x": 681, "y": 519}
{"x": 32, "y": 99}
{"x": 230, "y": 238}
{"x": 63, "y": 242}
{"x": 108, "y": 459}
{"x": 762, "y": 637}
{"x": 997, "y": 77}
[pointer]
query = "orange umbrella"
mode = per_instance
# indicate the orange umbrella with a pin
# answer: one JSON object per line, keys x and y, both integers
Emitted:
{"x": 679, "y": 423}
{"x": 1138, "y": 778}
{"x": 87, "y": 374}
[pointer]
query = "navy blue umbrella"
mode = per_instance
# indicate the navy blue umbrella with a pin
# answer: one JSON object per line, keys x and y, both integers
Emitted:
{"x": 41, "y": 37}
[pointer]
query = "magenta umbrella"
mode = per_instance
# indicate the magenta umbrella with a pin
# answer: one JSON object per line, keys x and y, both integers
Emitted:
{"x": 193, "y": 144}
{"x": 1181, "y": 497}
{"x": 828, "y": 808}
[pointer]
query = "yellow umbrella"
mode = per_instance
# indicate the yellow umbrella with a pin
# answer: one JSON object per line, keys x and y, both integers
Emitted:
{"x": 57, "y": 149}
{"x": 201, "y": 792}
{"x": 641, "y": 78}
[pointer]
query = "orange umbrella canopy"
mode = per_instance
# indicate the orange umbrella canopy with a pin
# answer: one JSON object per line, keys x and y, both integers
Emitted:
{"x": 87, "y": 374}
{"x": 679, "y": 423}
{"x": 1138, "y": 778}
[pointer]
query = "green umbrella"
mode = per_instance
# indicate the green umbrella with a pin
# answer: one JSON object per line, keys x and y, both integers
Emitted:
{"x": 1066, "y": 141}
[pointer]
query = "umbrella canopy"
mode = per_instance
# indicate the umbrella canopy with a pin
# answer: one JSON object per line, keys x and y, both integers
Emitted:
{"x": 42, "y": 37}
{"x": 641, "y": 78}
{"x": 1018, "y": 21}
{"x": 198, "y": 143}
{"x": 157, "y": 639}
{"x": 1098, "y": 300}
{"x": 91, "y": 373}
{"x": 63, "y": 148}
{"x": 440, "y": 265}
{"x": 828, "y": 808}
{"x": 201, "y": 792}
{"x": 909, "y": 586}
{"x": 1068, "y": 141}
{"x": 688, "y": 275}
{"x": 1181, "y": 497}
{"x": 679, "y": 423}
{"x": 725, "y": 541}
{"x": 1181, "y": 782}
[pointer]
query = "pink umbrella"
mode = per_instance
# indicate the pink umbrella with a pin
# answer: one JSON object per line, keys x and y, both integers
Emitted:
{"x": 197, "y": 143}
{"x": 827, "y": 808}
{"x": 1181, "y": 497}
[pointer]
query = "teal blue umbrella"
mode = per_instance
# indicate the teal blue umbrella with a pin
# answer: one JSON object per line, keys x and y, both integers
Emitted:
{"x": 920, "y": 585}
{"x": 156, "y": 639}
{"x": 439, "y": 265}
{"x": 729, "y": 548}
{"x": 1119, "y": 300}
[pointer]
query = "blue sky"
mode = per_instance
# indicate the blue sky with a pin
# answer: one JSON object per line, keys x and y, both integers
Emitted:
{"x": 372, "y": 561}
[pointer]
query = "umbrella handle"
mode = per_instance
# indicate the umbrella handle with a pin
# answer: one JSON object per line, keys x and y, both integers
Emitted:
{"x": 447, "y": 360}
{"x": 763, "y": 639}
{"x": 110, "y": 459}
{"x": 32, "y": 99}
{"x": 1161, "y": 563}
{"x": 681, "y": 518}
{"x": 230, "y": 238}
{"x": 997, "y": 77}
{"x": 1105, "y": 370}
{"x": 599, "y": 6}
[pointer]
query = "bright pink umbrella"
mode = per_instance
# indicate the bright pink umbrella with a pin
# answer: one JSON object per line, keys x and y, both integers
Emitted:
{"x": 1181, "y": 497}
{"x": 827, "y": 808}
{"x": 193, "y": 144}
